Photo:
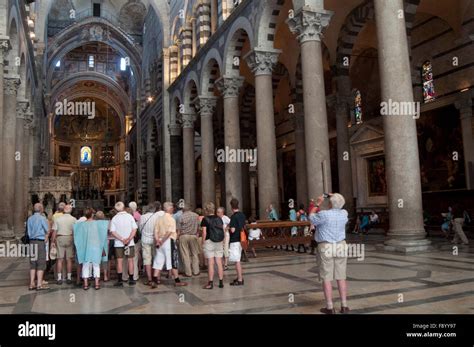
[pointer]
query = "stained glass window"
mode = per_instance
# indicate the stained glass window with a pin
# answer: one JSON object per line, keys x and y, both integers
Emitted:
{"x": 358, "y": 107}
{"x": 86, "y": 155}
{"x": 428, "y": 84}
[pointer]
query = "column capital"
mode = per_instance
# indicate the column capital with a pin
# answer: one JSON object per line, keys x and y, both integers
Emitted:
{"x": 230, "y": 86}
{"x": 174, "y": 129}
{"x": 262, "y": 61}
{"x": 11, "y": 85}
{"x": 187, "y": 120}
{"x": 4, "y": 46}
{"x": 22, "y": 108}
{"x": 308, "y": 24}
{"x": 206, "y": 105}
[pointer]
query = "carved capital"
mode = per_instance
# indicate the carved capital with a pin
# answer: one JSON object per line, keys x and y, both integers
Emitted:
{"x": 4, "y": 47}
{"x": 22, "y": 109}
{"x": 206, "y": 105}
{"x": 309, "y": 24}
{"x": 10, "y": 85}
{"x": 187, "y": 120}
{"x": 262, "y": 62}
{"x": 174, "y": 129}
{"x": 230, "y": 86}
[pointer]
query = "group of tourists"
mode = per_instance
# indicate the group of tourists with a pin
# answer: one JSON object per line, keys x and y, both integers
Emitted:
{"x": 166, "y": 238}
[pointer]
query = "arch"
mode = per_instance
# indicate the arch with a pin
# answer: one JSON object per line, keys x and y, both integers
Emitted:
{"x": 240, "y": 31}
{"x": 161, "y": 8}
{"x": 211, "y": 70}
{"x": 73, "y": 79}
{"x": 67, "y": 41}
{"x": 191, "y": 91}
{"x": 266, "y": 21}
{"x": 14, "y": 45}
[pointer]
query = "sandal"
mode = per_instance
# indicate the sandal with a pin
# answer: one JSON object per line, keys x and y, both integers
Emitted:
{"x": 97, "y": 287}
{"x": 85, "y": 287}
{"x": 31, "y": 288}
{"x": 210, "y": 285}
{"x": 42, "y": 288}
{"x": 236, "y": 282}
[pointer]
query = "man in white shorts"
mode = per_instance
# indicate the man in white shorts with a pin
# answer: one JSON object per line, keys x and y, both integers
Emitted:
{"x": 166, "y": 248}
{"x": 237, "y": 223}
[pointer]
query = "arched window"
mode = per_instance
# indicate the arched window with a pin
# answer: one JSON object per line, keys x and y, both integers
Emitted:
{"x": 358, "y": 106}
{"x": 428, "y": 84}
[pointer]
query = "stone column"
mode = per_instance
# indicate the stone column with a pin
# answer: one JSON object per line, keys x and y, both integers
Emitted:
{"x": 207, "y": 105}
{"x": 406, "y": 230}
{"x": 246, "y": 188}
{"x": 20, "y": 166}
{"x": 176, "y": 161}
{"x": 343, "y": 102}
{"x": 4, "y": 47}
{"x": 253, "y": 198}
{"x": 300, "y": 156}
{"x": 150, "y": 173}
{"x": 230, "y": 88}
{"x": 261, "y": 63}
{"x": 10, "y": 88}
{"x": 308, "y": 24}
{"x": 189, "y": 170}
{"x": 464, "y": 105}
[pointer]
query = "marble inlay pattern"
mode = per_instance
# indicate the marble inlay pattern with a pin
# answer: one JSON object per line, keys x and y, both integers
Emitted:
{"x": 276, "y": 282}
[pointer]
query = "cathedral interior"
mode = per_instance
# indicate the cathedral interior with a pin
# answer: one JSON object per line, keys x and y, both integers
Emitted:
{"x": 131, "y": 100}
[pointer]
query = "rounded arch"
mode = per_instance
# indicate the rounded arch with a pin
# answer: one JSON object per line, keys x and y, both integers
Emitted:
{"x": 211, "y": 71}
{"x": 67, "y": 41}
{"x": 267, "y": 20}
{"x": 191, "y": 91}
{"x": 14, "y": 51}
{"x": 239, "y": 33}
{"x": 161, "y": 8}
{"x": 107, "y": 81}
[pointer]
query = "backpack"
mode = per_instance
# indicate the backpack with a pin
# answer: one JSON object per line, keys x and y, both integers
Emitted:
{"x": 215, "y": 229}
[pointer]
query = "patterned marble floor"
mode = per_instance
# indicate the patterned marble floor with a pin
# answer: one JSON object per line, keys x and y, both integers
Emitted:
{"x": 439, "y": 281}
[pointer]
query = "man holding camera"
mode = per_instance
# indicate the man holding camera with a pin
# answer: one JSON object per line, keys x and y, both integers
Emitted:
{"x": 332, "y": 249}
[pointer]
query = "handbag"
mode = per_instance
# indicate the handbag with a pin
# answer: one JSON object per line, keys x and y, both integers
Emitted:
{"x": 244, "y": 241}
{"x": 25, "y": 239}
{"x": 53, "y": 253}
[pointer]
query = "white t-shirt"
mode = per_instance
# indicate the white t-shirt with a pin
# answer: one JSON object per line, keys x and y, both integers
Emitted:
{"x": 225, "y": 221}
{"x": 122, "y": 224}
{"x": 254, "y": 234}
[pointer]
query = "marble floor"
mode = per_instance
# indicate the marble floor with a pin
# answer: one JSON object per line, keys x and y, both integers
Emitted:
{"x": 276, "y": 282}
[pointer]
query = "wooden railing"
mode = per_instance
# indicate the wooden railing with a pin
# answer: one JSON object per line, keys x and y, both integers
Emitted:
{"x": 279, "y": 233}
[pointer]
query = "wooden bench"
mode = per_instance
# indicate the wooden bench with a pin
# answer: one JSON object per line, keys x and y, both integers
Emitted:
{"x": 276, "y": 233}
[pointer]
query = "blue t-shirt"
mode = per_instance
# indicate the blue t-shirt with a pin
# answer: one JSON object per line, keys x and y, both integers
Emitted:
{"x": 37, "y": 226}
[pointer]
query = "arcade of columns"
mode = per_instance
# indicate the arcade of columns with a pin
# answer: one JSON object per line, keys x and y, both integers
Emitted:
{"x": 312, "y": 151}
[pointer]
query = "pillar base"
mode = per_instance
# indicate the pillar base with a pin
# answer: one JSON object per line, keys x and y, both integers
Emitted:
{"x": 407, "y": 246}
{"x": 7, "y": 235}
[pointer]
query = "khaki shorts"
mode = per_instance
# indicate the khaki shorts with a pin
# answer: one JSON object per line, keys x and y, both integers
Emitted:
{"x": 235, "y": 252}
{"x": 332, "y": 267}
{"x": 213, "y": 249}
{"x": 65, "y": 246}
{"x": 120, "y": 252}
{"x": 148, "y": 253}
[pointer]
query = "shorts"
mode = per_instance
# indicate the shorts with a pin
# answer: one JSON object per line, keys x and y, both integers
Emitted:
{"x": 65, "y": 247}
{"x": 148, "y": 252}
{"x": 226, "y": 244}
{"x": 38, "y": 262}
{"x": 213, "y": 249}
{"x": 332, "y": 267}
{"x": 235, "y": 252}
{"x": 120, "y": 252}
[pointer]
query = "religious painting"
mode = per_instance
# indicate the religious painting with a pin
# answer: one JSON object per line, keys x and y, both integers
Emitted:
{"x": 64, "y": 155}
{"x": 441, "y": 150}
{"x": 86, "y": 155}
{"x": 377, "y": 183}
{"x": 108, "y": 180}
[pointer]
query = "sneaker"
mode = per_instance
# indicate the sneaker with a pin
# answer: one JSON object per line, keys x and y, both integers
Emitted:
{"x": 118, "y": 284}
{"x": 345, "y": 309}
{"x": 69, "y": 281}
{"x": 59, "y": 282}
{"x": 132, "y": 282}
{"x": 154, "y": 285}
